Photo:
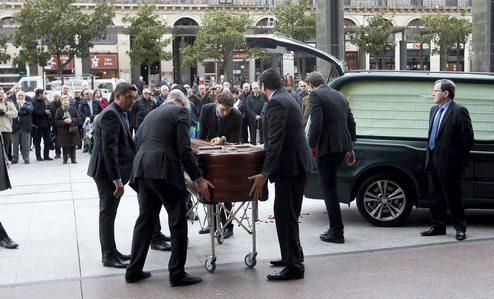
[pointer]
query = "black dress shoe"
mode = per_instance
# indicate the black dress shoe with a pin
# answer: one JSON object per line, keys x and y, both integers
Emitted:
{"x": 434, "y": 231}
{"x": 135, "y": 278}
{"x": 460, "y": 235}
{"x": 186, "y": 280}
{"x": 204, "y": 231}
{"x": 39, "y": 159}
{"x": 125, "y": 257}
{"x": 162, "y": 237}
{"x": 332, "y": 236}
{"x": 15, "y": 162}
{"x": 73, "y": 162}
{"x": 48, "y": 159}
{"x": 8, "y": 243}
{"x": 161, "y": 245}
{"x": 115, "y": 262}
{"x": 228, "y": 232}
{"x": 287, "y": 274}
{"x": 277, "y": 263}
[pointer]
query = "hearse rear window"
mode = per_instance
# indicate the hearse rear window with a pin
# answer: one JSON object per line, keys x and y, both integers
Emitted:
{"x": 401, "y": 109}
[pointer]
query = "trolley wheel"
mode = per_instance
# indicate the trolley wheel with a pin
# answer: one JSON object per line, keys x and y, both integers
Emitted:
{"x": 210, "y": 264}
{"x": 251, "y": 260}
{"x": 220, "y": 239}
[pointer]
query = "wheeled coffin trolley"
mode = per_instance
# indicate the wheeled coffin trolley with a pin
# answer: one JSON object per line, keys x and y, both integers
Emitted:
{"x": 228, "y": 168}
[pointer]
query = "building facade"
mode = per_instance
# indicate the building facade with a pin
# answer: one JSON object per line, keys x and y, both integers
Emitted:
{"x": 108, "y": 58}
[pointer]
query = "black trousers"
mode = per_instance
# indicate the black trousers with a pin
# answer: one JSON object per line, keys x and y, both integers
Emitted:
{"x": 328, "y": 167}
{"x": 152, "y": 194}
{"x": 58, "y": 148}
{"x": 287, "y": 206}
{"x": 252, "y": 130}
{"x": 245, "y": 130}
{"x": 44, "y": 133}
{"x": 446, "y": 193}
{"x": 7, "y": 143}
{"x": 108, "y": 205}
{"x": 69, "y": 151}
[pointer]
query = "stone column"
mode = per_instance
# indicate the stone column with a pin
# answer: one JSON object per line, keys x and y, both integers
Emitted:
{"x": 483, "y": 36}
{"x": 330, "y": 31}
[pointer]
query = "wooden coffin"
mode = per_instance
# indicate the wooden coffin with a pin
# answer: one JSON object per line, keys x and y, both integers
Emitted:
{"x": 228, "y": 168}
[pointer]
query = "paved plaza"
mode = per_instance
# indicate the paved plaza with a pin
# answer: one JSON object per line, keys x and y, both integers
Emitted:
{"x": 52, "y": 212}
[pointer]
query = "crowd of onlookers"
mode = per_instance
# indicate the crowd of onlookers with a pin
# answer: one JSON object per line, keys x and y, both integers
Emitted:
{"x": 64, "y": 121}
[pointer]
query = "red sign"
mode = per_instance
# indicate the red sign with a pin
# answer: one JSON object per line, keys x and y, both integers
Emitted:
{"x": 240, "y": 55}
{"x": 52, "y": 63}
{"x": 103, "y": 61}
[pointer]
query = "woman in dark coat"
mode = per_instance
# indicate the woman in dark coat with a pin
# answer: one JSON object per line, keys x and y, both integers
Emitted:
{"x": 5, "y": 241}
{"x": 67, "y": 121}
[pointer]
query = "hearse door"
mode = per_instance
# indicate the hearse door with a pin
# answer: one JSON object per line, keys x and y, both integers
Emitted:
{"x": 483, "y": 170}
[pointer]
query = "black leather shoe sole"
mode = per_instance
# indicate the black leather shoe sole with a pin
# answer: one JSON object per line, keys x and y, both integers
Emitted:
{"x": 460, "y": 236}
{"x": 138, "y": 277}
{"x": 332, "y": 239}
{"x": 188, "y": 280}
{"x": 204, "y": 231}
{"x": 115, "y": 264}
{"x": 227, "y": 233}
{"x": 8, "y": 244}
{"x": 286, "y": 276}
{"x": 161, "y": 247}
{"x": 433, "y": 232}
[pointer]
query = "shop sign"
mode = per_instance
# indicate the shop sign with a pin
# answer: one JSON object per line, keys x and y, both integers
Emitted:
{"x": 103, "y": 61}
{"x": 52, "y": 63}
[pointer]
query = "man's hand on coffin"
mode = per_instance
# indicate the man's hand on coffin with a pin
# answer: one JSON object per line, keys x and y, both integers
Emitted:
{"x": 256, "y": 190}
{"x": 204, "y": 188}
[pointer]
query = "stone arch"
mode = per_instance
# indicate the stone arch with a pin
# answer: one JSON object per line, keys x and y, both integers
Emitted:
{"x": 349, "y": 22}
{"x": 265, "y": 21}
{"x": 8, "y": 22}
{"x": 415, "y": 22}
{"x": 186, "y": 21}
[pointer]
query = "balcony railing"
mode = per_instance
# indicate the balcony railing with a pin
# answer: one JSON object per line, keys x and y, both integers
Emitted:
{"x": 409, "y": 3}
{"x": 193, "y": 2}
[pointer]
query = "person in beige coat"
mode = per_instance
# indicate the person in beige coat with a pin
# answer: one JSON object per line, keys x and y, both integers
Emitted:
{"x": 7, "y": 113}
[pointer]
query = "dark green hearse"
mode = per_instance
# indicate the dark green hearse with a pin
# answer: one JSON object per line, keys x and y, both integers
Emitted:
{"x": 391, "y": 110}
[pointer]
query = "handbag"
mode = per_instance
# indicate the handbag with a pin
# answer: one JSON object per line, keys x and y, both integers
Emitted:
{"x": 72, "y": 129}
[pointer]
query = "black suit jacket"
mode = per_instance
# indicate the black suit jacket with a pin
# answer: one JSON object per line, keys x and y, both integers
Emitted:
{"x": 287, "y": 151}
{"x": 163, "y": 147}
{"x": 230, "y": 126}
{"x": 85, "y": 111}
{"x": 454, "y": 139}
{"x": 113, "y": 149}
{"x": 332, "y": 128}
{"x": 255, "y": 106}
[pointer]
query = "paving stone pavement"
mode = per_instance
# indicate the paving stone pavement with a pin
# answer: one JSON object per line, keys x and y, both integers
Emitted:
{"x": 52, "y": 212}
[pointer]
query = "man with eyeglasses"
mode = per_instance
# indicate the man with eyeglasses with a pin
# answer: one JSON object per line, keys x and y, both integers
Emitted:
{"x": 450, "y": 141}
{"x": 110, "y": 167}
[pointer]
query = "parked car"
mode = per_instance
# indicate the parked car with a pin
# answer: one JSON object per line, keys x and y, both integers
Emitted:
{"x": 391, "y": 110}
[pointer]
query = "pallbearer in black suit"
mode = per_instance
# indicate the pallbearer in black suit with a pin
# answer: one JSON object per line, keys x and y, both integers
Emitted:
{"x": 331, "y": 137}
{"x": 221, "y": 119}
{"x": 287, "y": 164}
{"x": 110, "y": 166}
{"x": 157, "y": 175}
{"x": 450, "y": 141}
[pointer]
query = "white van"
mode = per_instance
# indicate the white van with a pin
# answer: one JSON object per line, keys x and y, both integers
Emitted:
{"x": 31, "y": 83}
